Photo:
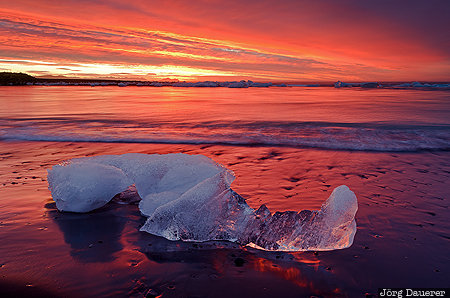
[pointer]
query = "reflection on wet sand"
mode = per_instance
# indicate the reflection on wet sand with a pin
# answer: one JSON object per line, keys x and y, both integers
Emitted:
{"x": 306, "y": 274}
{"x": 98, "y": 237}
{"x": 92, "y": 237}
{"x": 299, "y": 272}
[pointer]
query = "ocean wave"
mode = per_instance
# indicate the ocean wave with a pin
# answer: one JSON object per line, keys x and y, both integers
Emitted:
{"x": 367, "y": 143}
{"x": 370, "y": 136}
{"x": 255, "y": 124}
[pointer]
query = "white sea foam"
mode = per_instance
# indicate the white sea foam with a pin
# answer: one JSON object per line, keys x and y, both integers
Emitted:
{"x": 315, "y": 135}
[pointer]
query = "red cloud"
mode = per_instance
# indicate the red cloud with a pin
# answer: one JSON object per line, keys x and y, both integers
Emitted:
{"x": 295, "y": 40}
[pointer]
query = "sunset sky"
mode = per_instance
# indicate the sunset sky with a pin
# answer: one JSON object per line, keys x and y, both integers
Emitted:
{"x": 228, "y": 40}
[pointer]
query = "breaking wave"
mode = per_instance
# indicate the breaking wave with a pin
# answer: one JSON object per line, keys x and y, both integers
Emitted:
{"x": 371, "y": 136}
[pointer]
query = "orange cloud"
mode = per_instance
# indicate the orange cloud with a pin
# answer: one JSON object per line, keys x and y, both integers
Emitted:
{"x": 263, "y": 40}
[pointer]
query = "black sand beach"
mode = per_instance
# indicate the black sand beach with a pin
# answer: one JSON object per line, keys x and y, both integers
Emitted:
{"x": 402, "y": 227}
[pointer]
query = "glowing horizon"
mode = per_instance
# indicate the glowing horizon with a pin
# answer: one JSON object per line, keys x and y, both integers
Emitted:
{"x": 216, "y": 40}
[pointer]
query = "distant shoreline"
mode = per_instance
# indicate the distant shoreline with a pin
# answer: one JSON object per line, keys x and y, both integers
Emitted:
{"x": 21, "y": 79}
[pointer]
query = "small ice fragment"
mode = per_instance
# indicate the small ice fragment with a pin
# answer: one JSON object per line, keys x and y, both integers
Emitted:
{"x": 256, "y": 84}
{"x": 340, "y": 84}
{"x": 370, "y": 85}
{"x": 241, "y": 84}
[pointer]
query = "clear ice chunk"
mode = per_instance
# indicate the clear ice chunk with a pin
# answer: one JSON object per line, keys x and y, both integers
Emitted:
{"x": 189, "y": 197}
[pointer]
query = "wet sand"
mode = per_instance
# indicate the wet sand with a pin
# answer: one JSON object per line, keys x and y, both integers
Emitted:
{"x": 402, "y": 240}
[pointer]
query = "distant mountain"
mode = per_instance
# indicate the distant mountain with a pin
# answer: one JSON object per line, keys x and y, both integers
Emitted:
{"x": 15, "y": 78}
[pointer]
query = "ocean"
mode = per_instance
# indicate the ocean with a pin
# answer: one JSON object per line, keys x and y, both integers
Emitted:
{"x": 289, "y": 147}
{"x": 326, "y": 118}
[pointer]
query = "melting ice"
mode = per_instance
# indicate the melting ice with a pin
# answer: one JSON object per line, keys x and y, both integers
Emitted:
{"x": 188, "y": 197}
